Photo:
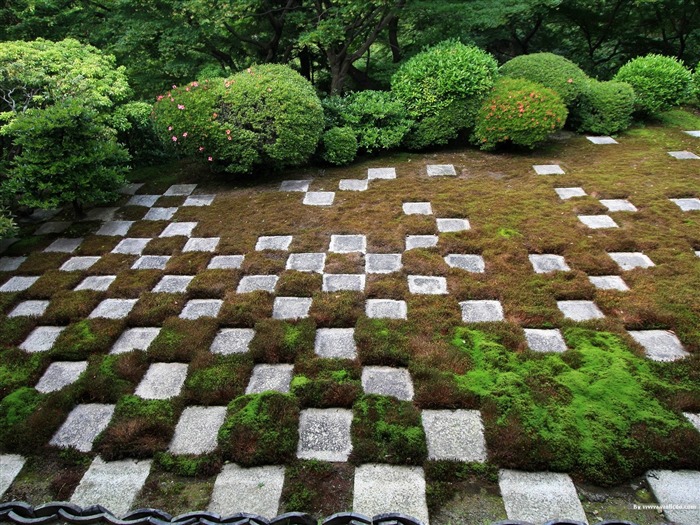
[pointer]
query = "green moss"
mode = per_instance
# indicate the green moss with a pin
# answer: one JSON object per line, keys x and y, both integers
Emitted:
{"x": 156, "y": 410}
{"x": 190, "y": 466}
{"x": 382, "y": 342}
{"x": 324, "y": 383}
{"x": 282, "y": 341}
{"x": 18, "y": 368}
{"x": 16, "y": 408}
{"x": 219, "y": 381}
{"x": 85, "y": 337}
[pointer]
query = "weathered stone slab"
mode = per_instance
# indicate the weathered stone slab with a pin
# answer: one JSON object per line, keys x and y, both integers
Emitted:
{"x": 440, "y": 170}
{"x": 198, "y": 308}
{"x": 631, "y": 260}
{"x": 274, "y": 242}
{"x": 387, "y": 381}
{"x": 18, "y": 283}
{"x": 82, "y": 426}
{"x": 452, "y": 225}
{"x": 135, "y": 339}
{"x": 197, "y": 430}
{"x": 659, "y": 345}
{"x": 131, "y": 246}
{"x": 270, "y": 377}
{"x": 130, "y": 189}
{"x": 177, "y": 190}
{"x": 602, "y": 140}
{"x": 482, "y": 311}
{"x": 113, "y": 308}
{"x": 618, "y": 205}
{"x": 162, "y": 381}
{"x": 580, "y": 310}
{"x": 306, "y": 262}
{"x": 348, "y": 244}
{"x": 225, "y": 262}
{"x": 201, "y": 244}
{"x": 39, "y": 215}
{"x": 295, "y": 185}
{"x": 10, "y": 264}
{"x": 380, "y": 489}
{"x": 75, "y": 264}
{"x": 324, "y": 434}
{"x": 335, "y": 343}
{"x": 115, "y": 228}
{"x": 199, "y": 200}
{"x": 694, "y": 419}
{"x": 98, "y": 283}
{"x": 232, "y": 341}
{"x": 608, "y": 282}
{"x": 52, "y": 227}
{"x": 570, "y": 193}
{"x": 545, "y": 263}
{"x": 41, "y": 338}
{"x": 10, "y": 466}
{"x": 353, "y": 185}
{"x": 335, "y": 282}
{"x": 179, "y": 229}
{"x": 695, "y": 133}
{"x": 417, "y": 208}
{"x": 385, "y": 309}
{"x": 470, "y": 263}
{"x": 381, "y": 173}
{"x": 151, "y": 262}
{"x": 687, "y": 204}
{"x": 678, "y": 493}
{"x": 173, "y": 284}
{"x": 59, "y": 375}
{"x": 548, "y": 169}
{"x": 254, "y": 283}
{"x": 29, "y": 309}
{"x": 545, "y": 340}
{"x": 598, "y": 222}
{"x": 319, "y": 198}
{"x": 147, "y": 201}
{"x": 421, "y": 241}
{"x": 683, "y": 155}
{"x": 291, "y": 307}
{"x": 382, "y": 262}
{"x": 427, "y": 285}
{"x": 253, "y": 490}
{"x": 159, "y": 214}
{"x": 454, "y": 435}
{"x": 64, "y": 245}
{"x": 100, "y": 214}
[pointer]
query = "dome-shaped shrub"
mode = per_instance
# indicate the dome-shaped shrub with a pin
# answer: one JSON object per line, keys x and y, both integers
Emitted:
{"x": 339, "y": 146}
{"x": 604, "y": 108}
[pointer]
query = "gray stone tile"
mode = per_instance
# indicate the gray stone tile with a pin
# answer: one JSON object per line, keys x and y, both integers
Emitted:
{"x": 324, "y": 434}
{"x": 687, "y": 204}
{"x": 631, "y": 260}
{"x": 427, "y": 285}
{"x": 59, "y": 375}
{"x": 387, "y": 381}
{"x": 41, "y": 338}
{"x": 162, "y": 381}
{"x": 385, "y": 309}
{"x": 379, "y": 489}
{"x": 319, "y": 198}
{"x": 178, "y": 228}
{"x": 545, "y": 263}
{"x": 570, "y": 193}
{"x": 295, "y": 185}
{"x": 178, "y": 190}
{"x": 694, "y": 419}
{"x": 197, "y": 430}
{"x": 602, "y": 140}
{"x": 598, "y": 222}
{"x": 274, "y": 242}
{"x": 353, "y": 185}
{"x": 608, "y": 282}
{"x": 151, "y": 262}
{"x": 335, "y": 282}
{"x": 10, "y": 264}
{"x": 417, "y": 208}
{"x": 580, "y": 310}
{"x": 113, "y": 308}
{"x": 232, "y": 341}
{"x": 10, "y": 466}
{"x": 270, "y": 377}
{"x": 381, "y": 173}
{"x": 99, "y": 283}
{"x": 198, "y": 308}
{"x": 421, "y": 241}
{"x": 18, "y": 283}
{"x": 82, "y": 426}
{"x": 683, "y": 155}
{"x": 113, "y": 484}
{"x": 539, "y": 496}
{"x": 697, "y": 253}
{"x": 143, "y": 200}
{"x": 470, "y": 263}
{"x": 159, "y": 214}
{"x": 52, "y": 227}
{"x": 201, "y": 244}
{"x": 115, "y": 228}
{"x": 452, "y": 225}
{"x": 382, "y": 262}
{"x": 440, "y": 170}
{"x": 75, "y": 264}
{"x": 291, "y": 307}
{"x": 548, "y": 169}
{"x": 253, "y": 490}
{"x": 306, "y": 262}
{"x": 618, "y": 205}
{"x": 678, "y": 493}
{"x": 335, "y": 343}
{"x": 482, "y": 311}
{"x": 173, "y": 284}
{"x": 225, "y": 262}
{"x": 545, "y": 340}
{"x": 199, "y": 200}
{"x": 64, "y": 245}
{"x": 100, "y": 214}
{"x": 454, "y": 435}
{"x": 6, "y": 243}
{"x": 694, "y": 133}
{"x": 130, "y": 189}
{"x": 29, "y": 309}
{"x": 135, "y": 339}
{"x": 659, "y": 345}
{"x": 131, "y": 246}
{"x": 348, "y": 244}
{"x": 254, "y": 283}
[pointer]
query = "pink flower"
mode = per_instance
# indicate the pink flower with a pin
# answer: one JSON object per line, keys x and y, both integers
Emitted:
{"x": 184, "y": 134}
{"x": 159, "y": 98}
{"x": 187, "y": 89}
{"x": 194, "y": 84}
{"x": 228, "y": 131}
{"x": 174, "y": 138}
{"x": 201, "y": 148}
{"x": 170, "y": 128}
{"x": 180, "y": 107}
{"x": 229, "y": 137}
{"x": 174, "y": 86}
{"x": 210, "y": 159}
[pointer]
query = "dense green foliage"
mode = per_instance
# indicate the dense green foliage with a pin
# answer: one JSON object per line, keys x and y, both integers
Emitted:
{"x": 520, "y": 112}
{"x": 604, "y": 108}
{"x": 696, "y": 83}
{"x": 339, "y": 145}
{"x": 659, "y": 82}
{"x": 15, "y": 408}
{"x": 136, "y": 130}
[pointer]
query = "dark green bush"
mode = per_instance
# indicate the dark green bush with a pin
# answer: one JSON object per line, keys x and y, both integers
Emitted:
{"x": 519, "y": 112}
{"x": 659, "y": 82}
{"x": 443, "y": 126}
{"x": 604, "y": 108}
{"x": 696, "y": 84}
{"x": 135, "y": 129}
{"x": 339, "y": 146}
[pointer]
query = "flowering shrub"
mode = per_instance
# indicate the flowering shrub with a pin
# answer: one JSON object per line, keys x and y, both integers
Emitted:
{"x": 339, "y": 146}
{"x": 604, "y": 108}
{"x": 659, "y": 82}
{"x": 520, "y": 112}
{"x": 268, "y": 116}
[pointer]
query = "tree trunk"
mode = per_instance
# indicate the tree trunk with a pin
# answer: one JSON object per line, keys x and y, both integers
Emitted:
{"x": 396, "y": 54}
{"x": 305, "y": 63}
{"x": 362, "y": 79}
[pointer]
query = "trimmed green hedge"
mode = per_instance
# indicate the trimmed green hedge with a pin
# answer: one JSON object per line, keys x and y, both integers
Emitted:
{"x": 604, "y": 108}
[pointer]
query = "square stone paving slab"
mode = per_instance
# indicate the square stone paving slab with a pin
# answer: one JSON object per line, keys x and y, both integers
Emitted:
{"x": 545, "y": 340}
{"x": 130, "y": 189}
{"x": 10, "y": 466}
{"x": 162, "y": 381}
{"x": 694, "y": 133}
{"x": 59, "y": 375}
{"x": 602, "y": 140}
{"x": 199, "y": 200}
{"x": 690, "y": 204}
{"x": 631, "y": 260}
{"x": 173, "y": 284}
{"x": 387, "y": 381}
{"x": 440, "y": 170}
{"x": 64, "y": 245}
{"x": 178, "y": 228}
{"x": 379, "y": 489}
{"x": 82, "y": 426}
{"x": 79, "y": 263}
{"x": 382, "y": 262}
{"x": 353, "y": 185}
{"x": 232, "y": 341}
{"x": 113, "y": 308}
{"x": 678, "y": 492}
{"x": 319, "y": 198}
{"x": 538, "y": 497}
{"x": 135, "y": 339}
{"x": 306, "y": 262}
{"x": 452, "y": 225}
{"x": 570, "y": 193}
{"x": 421, "y": 241}
{"x": 694, "y": 419}
{"x": 598, "y": 222}
{"x": 29, "y": 309}
{"x": 454, "y": 435}
{"x": 608, "y": 282}
{"x": 481, "y": 311}
{"x": 18, "y": 283}
{"x": 385, "y": 309}
{"x": 10, "y": 264}
{"x": 197, "y": 430}
{"x": 335, "y": 282}
{"x": 348, "y": 244}
{"x": 52, "y": 227}
{"x": 324, "y": 434}
{"x": 683, "y": 155}
{"x": 580, "y": 310}
{"x": 270, "y": 377}
{"x": 427, "y": 285}
{"x": 381, "y": 173}
{"x": 151, "y": 262}
{"x": 201, "y": 244}
{"x": 545, "y": 263}
{"x": 113, "y": 484}
{"x": 253, "y": 490}
{"x": 131, "y": 246}
{"x": 115, "y": 228}
{"x": 417, "y": 208}
{"x": 295, "y": 185}
{"x": 470, "y": 263}
{"x": 177, "y": 190}
{"x": 41, "y": 339}
{"x": 273, "y": 242}
{"x": 254, "y": 283}
{"x": 659, "y": 345}
{"x": 335, "y": 343}
{"x": 618, "y": 205}
{"x": 548, "y": 169}
{"x": 147, "y": 201}
{"x": 291, "y": 307}
{"x": 100, "y": 214}
{"x": 159, "y": 214}
{"x": 198, "y": 308}
{"x": 225, "y": 262}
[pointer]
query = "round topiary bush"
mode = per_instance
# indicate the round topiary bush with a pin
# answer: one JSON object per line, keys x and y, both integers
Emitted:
{"x": 659, "y": 82}
{"x": 696, "y": 83}
{"x": 604, "y": 108}
{"x": 519, "y": 112}
{"x": 550, "y": 70}
{"x": 267, "y": 116}
{"x": 339, "y": 146}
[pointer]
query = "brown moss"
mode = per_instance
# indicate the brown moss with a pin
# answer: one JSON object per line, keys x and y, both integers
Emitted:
{"x": 152, "y": 309}
{"x": 244, "y": 310}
